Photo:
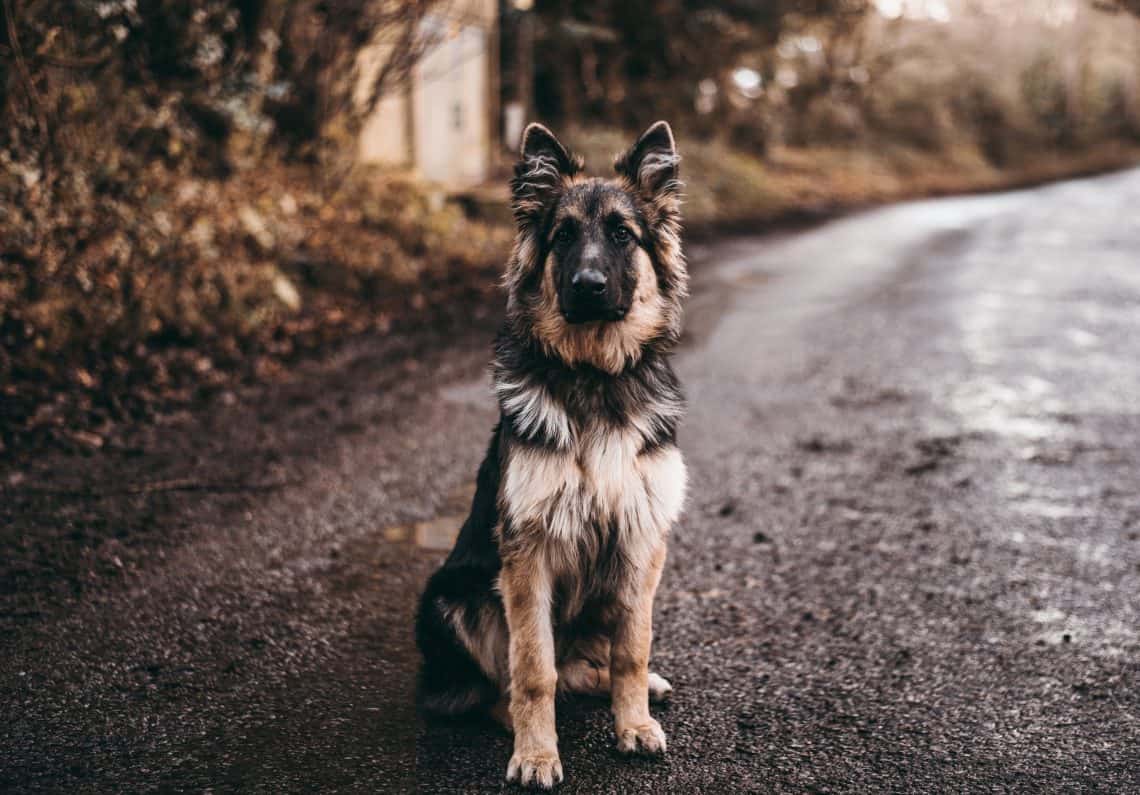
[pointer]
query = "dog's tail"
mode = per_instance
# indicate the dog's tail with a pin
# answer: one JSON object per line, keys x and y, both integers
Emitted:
{"x": 452, "y": 700}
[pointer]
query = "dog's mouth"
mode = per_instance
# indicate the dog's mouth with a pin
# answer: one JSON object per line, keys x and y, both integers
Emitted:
{"x": 579, "y": 315}
{"x": 601, "y": 307}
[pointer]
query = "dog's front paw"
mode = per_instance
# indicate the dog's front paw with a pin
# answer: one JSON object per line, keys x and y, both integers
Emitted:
{"x": 541, "y": 770}
{"x": 648, "y": 738}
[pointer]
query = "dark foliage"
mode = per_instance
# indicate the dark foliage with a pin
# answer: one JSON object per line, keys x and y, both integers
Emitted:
{"x": 605, "y": 60}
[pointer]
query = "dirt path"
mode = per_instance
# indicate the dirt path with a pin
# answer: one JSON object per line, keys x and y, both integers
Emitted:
{"x": 911, "y": 559}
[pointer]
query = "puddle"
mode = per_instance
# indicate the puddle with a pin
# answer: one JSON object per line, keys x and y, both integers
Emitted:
{"x": 397, "y": 533}
{"x": 439, "y": 532}
{"x": 436, "y": 534}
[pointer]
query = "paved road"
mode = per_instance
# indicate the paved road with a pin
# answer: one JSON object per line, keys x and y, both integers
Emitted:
{"x": 911, "y": 559}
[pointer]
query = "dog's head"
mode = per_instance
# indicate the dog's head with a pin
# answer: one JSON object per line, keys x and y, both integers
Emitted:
{"x": 597, "y": 273}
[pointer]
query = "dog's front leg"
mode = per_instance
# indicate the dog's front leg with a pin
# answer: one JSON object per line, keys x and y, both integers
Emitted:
{"x": 526, "y": 593}
{"x": 629, "y": 661}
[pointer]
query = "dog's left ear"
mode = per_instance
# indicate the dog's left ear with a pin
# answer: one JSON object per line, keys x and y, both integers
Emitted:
{"x": 651, "y": 165}
{"x": 541, "y": 172}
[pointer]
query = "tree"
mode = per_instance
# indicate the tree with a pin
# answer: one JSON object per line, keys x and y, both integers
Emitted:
{"x": 611, "y": 59}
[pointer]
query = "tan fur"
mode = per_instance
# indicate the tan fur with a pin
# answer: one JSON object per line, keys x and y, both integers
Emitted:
{"x": 554, "y": 495}
{"x": 609, "y": 346}
{"x": 582, "y": 676}
{"x": 585, "y": 671}
{"x": 569, "y": 483}
{"x": 629, "y": 663}
{"x": 526, "y": 593}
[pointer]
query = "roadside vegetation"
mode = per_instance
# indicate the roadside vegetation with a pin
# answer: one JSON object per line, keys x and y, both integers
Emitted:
{"x": 179, "y": 211}
{"x": 859, "y": 103}
{"x": 729, "y": 190}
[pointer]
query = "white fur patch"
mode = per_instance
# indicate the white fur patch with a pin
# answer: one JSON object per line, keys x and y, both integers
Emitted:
{"x": 599, "y": 478}
{"x": 534, "y": 411}
{"x": 650, "y": 424}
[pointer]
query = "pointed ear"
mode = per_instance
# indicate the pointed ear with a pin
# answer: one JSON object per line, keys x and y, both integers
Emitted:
{"x": 651, "y": 164}
{"x": 540, "y": 174}
{"x": 539, "y": 141}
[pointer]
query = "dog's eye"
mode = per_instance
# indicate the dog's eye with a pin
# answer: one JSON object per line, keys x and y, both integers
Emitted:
{"x": 622, "y": 236}
{"x": 564, "y": 236}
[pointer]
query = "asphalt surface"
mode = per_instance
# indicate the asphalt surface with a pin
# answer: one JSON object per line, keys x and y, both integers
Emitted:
{"x": 910, "y": 560}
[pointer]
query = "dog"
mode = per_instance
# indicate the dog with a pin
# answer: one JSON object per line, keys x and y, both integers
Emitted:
{"x": 551, "y": 582}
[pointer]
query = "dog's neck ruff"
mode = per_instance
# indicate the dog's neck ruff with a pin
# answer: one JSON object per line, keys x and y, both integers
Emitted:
{"x": 546, "y": 402}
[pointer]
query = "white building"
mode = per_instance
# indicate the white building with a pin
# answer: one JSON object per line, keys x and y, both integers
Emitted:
{"x": 442, "y": 121}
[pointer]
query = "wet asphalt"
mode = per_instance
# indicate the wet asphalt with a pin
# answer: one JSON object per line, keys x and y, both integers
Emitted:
{"x": 910, "y": 561}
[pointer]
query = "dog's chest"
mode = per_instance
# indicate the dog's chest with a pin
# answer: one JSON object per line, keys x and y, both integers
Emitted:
{"x": 600, "y": 483}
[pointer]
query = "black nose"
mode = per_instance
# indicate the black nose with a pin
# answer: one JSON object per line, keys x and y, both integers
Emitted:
{"x": 589, "y": 282}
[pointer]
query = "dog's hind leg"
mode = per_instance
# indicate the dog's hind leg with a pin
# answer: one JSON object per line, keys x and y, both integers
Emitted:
{"x": 582, "y": 676}
{"x": 463, "y": 636}
{"x": 586, "y": 670}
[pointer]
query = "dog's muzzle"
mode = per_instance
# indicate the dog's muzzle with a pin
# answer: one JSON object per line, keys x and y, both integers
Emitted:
{"x": 590, "y": 297}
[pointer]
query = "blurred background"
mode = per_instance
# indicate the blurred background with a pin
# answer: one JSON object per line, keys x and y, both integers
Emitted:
{"x": 193, "y": 193}
{"x": 249, "y": 266}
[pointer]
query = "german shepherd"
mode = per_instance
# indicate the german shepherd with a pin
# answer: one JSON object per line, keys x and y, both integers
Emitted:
{"x": 551, "y": 582}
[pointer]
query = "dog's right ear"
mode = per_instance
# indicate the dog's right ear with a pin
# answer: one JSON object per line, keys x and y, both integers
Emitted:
{"x": 540, "y": 174}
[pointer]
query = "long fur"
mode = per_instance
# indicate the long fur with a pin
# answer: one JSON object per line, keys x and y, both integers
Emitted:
{"x": 582, "y": 479}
